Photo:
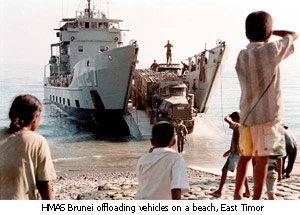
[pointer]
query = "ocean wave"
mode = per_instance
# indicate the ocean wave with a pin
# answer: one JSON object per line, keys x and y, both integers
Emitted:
{"x": 57, "y": 160}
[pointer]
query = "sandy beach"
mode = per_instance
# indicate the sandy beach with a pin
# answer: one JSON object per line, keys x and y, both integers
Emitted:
{"x": 122, "y": 185}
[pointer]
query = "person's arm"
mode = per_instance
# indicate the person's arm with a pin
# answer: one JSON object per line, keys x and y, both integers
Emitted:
{"x": 232, "y": 124}
{"x": 279, "y": 164}
{"x": 186, "y": 130}
{"x": 176, "y": 194}
{"x": 151, "y": 149}
{"x": 228, "y": 119}
{"x": 282, "y": 33}
{"x": 226, "y": 153}
{"x": 45, "y": 189}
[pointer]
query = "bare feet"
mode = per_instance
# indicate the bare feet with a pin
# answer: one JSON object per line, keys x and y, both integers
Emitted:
{"x": 215, "y": 194}
{"x": 247, "y": 195}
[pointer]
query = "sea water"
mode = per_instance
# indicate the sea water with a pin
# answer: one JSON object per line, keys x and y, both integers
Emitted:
{"x": 76, "y": 148}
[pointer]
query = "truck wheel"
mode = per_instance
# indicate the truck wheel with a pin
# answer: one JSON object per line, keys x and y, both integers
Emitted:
{"x": 152, "y": 118}
{"x": 138, "y": 102}
{"x": 133, "y": 98}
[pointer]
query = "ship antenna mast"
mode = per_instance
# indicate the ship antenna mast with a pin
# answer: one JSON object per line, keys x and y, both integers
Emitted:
{"x": 89, "y": 8}
{"x": 107, "y": 5}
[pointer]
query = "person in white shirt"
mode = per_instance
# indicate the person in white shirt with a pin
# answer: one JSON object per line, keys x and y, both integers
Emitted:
{"x": 162, "y": 173}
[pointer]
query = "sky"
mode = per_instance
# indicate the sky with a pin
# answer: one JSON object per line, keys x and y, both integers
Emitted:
{"x": 27, "y": 26}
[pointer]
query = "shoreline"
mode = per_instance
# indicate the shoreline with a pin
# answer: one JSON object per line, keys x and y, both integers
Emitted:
{"x": 119, "y": 184}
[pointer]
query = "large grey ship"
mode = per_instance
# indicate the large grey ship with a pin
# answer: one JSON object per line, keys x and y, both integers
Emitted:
{"x": 89, "y": 73}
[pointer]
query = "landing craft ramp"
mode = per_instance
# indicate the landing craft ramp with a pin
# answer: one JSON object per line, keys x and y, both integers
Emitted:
{"x": 143, "y": 128}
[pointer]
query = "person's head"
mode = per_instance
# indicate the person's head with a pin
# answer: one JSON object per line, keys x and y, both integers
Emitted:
{"x": 24, "y": 112}
{"x": 235, "y": 116}
{"x": 163, "y": 134}
{"x": 259, "y": 26}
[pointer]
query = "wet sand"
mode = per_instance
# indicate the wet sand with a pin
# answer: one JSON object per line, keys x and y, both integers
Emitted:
{"x": 122, "y": 185}
{"x": 91, "y": 181}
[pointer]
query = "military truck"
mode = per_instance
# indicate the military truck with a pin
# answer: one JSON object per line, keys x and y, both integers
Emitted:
{"x": 163, "y": 94}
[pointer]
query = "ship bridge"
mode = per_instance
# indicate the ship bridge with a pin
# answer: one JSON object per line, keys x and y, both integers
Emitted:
{"x": 90, "y": 32}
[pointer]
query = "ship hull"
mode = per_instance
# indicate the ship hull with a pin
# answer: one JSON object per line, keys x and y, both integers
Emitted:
{"x": 204, "y": 89}
{"x": 99, "y": 90}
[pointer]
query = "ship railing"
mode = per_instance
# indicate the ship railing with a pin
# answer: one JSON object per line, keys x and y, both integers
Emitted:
{"x": 46, "y": 82}
{"x": 94, "y": 14}
{"x": 56, "y": 79}
{"x": 60, "y": 80}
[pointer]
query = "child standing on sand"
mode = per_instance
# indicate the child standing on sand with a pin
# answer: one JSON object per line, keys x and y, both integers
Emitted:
{"x": 162, "y": 173}
{"x": 233, "y": 154}
{"x": 261, "y": 105}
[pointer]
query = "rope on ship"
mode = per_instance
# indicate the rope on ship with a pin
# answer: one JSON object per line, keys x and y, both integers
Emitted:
{"x": 222, "y": 109}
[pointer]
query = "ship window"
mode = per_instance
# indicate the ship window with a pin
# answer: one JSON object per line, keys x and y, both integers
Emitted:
{"x": 103, "y": 25}
{"x": 80, "y": 48}
{"x": 69, "y": 104}
{"x": 60, "y": 100}
{"x": 177, "y": 91}
{"x": 56, "y": 98}
{"x": 86, "y": 25}
{"x": 94, "y": 25}
{"x": 64, "y": 101}
{"x": 77, "y": 103}
{"x": 164, "y": 91}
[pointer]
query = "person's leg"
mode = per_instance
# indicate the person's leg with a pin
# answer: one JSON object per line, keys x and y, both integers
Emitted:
{"x": 241, "y": 172}
{"x": 283, "y": 165}
{"x": 291, "y": 161}
{"x": 182, "y": 143}
{"x": 271, "y": 196}
{"x": 247, "y": 190}
{"x": 271, "y": 183}
{"x": 218, "y": 192}
{"x": 259, "y": 174}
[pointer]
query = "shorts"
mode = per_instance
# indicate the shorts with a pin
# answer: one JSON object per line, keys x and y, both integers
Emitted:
{"x": 271, "y": 181}
{"x": 231, "y": 162}
{"x": 267, "y": 139}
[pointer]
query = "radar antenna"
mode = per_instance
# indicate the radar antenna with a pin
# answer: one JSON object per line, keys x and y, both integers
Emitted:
{"x": 89, "y": 8}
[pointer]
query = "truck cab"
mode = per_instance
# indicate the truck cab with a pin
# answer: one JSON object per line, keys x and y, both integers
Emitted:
{"x": 170, "y": 68}
{"x": 173, "y": 104}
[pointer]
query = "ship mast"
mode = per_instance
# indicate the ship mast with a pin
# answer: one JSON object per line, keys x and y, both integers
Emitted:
{"x": 88, "y": 10}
